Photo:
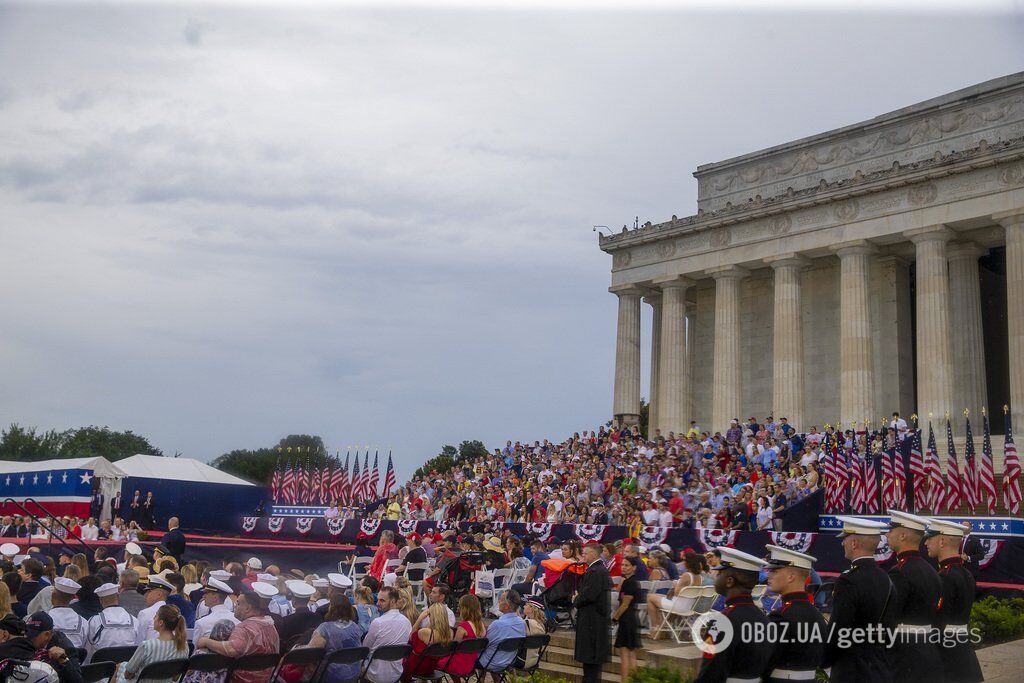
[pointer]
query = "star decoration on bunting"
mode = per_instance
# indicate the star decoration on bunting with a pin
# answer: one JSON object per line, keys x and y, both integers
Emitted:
{"x": 64, "y": 478}
{"x": 49, "y": 478}
{"x": 21, "y": 480}
{"x": 1006, "y": 527}
{"x": 35, "y": 478}
{"x": 86, "y": 478}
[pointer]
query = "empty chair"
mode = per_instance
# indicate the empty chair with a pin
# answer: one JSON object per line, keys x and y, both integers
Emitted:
{"x": 387, "y": 653}
{"x": 532, "y": 652}
{"x": 344, "y": 664}
{"x": 114, "y": 654}
{"x": 98, "y": 672}
{"x": 496, "y": 665}
{"x": 169, "y": 669}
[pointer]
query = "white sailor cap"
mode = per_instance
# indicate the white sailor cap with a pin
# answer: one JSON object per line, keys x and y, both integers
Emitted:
{"x": 220, "y": 574}
{"x": 944, "y": 527}
{"x": 266, "y": 578}
{"x": 9, "y": 549}
{"x": 905, "y": 519}
{"x": 299, "y": 589}
{"x": 339, "y": 581}
{"x": 390, "y": 579}
{"x": 858, "y": 526}
{"x": 66, "y": 585}
{"x": 157, "y": 581}
{"x": 264, "y": 590}
{"x": 132, "y": 549}
{"x": 106, "y": 590}
{"x": 737, "y": 559}
{"x": 217, "y": 586}
{"x": 320, "y": 583}
{"x": 779, "y": 557}
{"x": 254, "y": 563}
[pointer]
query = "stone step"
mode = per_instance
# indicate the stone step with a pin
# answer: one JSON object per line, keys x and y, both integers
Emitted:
{"x": 564, "y": 656}
{"x": 574, "y": 674}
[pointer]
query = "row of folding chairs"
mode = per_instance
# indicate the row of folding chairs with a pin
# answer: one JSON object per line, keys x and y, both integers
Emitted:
{"x": 105, "y": 661}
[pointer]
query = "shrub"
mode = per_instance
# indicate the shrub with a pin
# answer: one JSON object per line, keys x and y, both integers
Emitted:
{"x": 998, "y": 620}
{"x": 536, "y": 677}
{"x": 658, "y": 674}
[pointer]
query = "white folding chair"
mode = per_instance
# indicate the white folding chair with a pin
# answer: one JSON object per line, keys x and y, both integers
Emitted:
{"x": 359, "y": 567}
{"x": 645, "y": 590}
{"x": 680, "y": 613}
{"x": 662, "y": 587}
{"x": 708, "y": 595}
{"x": 419, "y": 597}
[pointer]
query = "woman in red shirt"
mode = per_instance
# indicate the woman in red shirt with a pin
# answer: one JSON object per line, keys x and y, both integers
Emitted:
{"x": 471, "y": 625}
{"x": 439, "y": 632}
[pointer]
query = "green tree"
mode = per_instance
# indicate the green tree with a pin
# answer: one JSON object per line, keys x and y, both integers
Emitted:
{"x": 471, "y": 450}
{"x": 27, "y": 445}
{"x": 645, "y": 417}
{"x": 87, "y": 442}
{"x": 258, "y": 465}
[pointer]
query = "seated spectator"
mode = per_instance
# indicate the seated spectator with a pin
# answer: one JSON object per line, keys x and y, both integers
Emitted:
{"x": 390, "y": 628}
{"x": 254, "y": 634}
{"x": 471, "y": 625}
{"x": 387, "y": 550}
{"x": 36, "y": 639}
{"x": 13, "y": 582}
{"x": 438, "y": 595}
{"x": 536, "y": 625}
{"x": 366, "y": 611}
{"x": 170, "y": 643}
{"x": 415, "y": 555}
{"x": 508, "y": 625}
{"x": 339, "y": 630}
{"x": 438, "y": 631}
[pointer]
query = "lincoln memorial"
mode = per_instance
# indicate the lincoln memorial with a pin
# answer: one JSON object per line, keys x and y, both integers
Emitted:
{"x": 840, "y": 277}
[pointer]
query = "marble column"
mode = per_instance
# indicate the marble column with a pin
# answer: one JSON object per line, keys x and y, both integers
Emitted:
{"x": 727, "y": 392}
{"x": 653, "y": 299}
{"x": 674, "y": 383}
{"x": 856, "y": 374}
{"x": 970, "y": 390}
{"x": 933, "y": 343}
{"x": 626, "y": 399}
{"x": 1013, "y": 222}
{"x": 787, "y": 340}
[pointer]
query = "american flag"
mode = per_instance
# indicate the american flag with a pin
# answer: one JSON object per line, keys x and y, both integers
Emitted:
{"x": 917, "y": 471}
{"x": 954, "y": 481}
{"x": 275, "y": 482}
{"x": 899, "y": 473}
{"x": 970, "y": 477}
{"x": 857, "y": 501}
{"x": 325, "y": 485}
{"x": 365, "y": 485}
{"x": 339, "y": 483}
{"x": 356, "y": 490}
{"x": 1011, "y": 471}
{"x": 289, "y": 485}
{"x": 870, "y": 479}
{"x": 314, "y": 485}
{"x": 389, "y": 478}
{"x": 842, "y": 476}
{"x": 829, "y": 467}
{"x": 888, "y": 480}
{"x": 374, "y": 478}
{"x": 936, "y": 484}
{"x": 987, "y": 471}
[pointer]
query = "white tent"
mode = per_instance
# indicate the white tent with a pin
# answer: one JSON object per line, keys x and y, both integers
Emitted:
{"x": 176, "y": 469}
{"x": 101, "y": 467}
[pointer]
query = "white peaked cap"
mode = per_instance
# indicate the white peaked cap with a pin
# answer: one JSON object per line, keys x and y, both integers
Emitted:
{"x": 299, "y": 589}
{"x": 266, "y": 578}
{"x": 132, "y": 549}
{"x": 220, "y": 574}
{"x": 254, "y": 563}
{"x": 779, "y": 557}
{"x": 264, "y": 590}
{"x": 67, "y": 585}
{"x": 216, "y": 585}
{"x": 908, "y": 520}
{"x": 737, "y": 559}
{"x": 157, "y": 580}
{"x": 339, "y": 580}
{"x": 106, "y": 590}
{"x": 945, "y": 527}
{"x": 321, "y": 583}
{"x": 9, "y": 549}
{"x": 858, "y": 526}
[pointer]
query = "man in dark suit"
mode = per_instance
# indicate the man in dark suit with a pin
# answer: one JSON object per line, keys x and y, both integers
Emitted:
{"x": 174, "y": 540}
{"x": 148, "y": 512}
{"x": 971, "y": 550}
{"x": 7, "y": 529}
{"x": 593, "y": 614}
{"x": 135, "y": 508}
{"x": 861, "y": 599}
{"x": 96, "y": 505}
{"x": 115, "y": 506}
{"x": 20, "y": 528}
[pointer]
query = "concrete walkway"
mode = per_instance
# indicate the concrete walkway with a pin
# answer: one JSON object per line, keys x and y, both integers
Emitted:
{"x": 1003, "y": 663}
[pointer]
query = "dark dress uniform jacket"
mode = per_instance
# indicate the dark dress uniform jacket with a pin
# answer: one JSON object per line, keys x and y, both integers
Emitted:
{"x": 738, "y": 660}
{"x": 915, "y": 602}
{"x": 958, "y": 658}
{"x": 800, "y": 644}
{"x": 860, "y": 600}
{"x": 593, "y": 615}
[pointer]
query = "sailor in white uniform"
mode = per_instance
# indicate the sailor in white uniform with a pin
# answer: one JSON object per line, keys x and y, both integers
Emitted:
{"x": 221, "y": 575}
{"x": 114, "y": 626}
{"x": 216, "y": 593}
{"x": 279, "y": 604}
{"x": 157, "y": 591}
{"x": 66, "y": 620}
{"x": 322, "y": 587}
{"x": 130, "y": 549}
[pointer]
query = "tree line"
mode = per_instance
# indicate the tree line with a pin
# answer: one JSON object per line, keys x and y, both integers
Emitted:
{"x": 31, "y": 445}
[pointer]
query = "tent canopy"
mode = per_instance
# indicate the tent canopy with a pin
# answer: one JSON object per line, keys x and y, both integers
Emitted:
{"x": 101, "y": 467}
{"x": 176, "y": 469}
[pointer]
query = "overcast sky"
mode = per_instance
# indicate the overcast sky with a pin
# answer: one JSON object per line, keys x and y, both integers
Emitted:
{"x": 222, "y": 225}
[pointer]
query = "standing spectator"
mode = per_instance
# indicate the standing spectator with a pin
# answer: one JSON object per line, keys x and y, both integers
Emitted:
{"x": 339, "y": 631}
{"x": 764, "y": 514}
{"x": 148, "y": 512}
{"x": 627, "y": 636}
{"x": 779, "y": 509}
{"x": 135, "y": 508}
{"x": 593, "y": 613}
{"x": 253, "y": 635}
{"x": 508, "y": 625}
{"x": 390, "y": 628}
{"x": 115, "y": 506}
{"x": 174, "y": 539}
{"x": 170, "y": 643}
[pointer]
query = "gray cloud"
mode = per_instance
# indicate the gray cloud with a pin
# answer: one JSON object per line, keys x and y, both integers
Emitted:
{"x": 194, "y": 31}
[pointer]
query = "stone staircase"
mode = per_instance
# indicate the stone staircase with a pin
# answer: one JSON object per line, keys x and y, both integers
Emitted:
{"x": 559, "y": 663}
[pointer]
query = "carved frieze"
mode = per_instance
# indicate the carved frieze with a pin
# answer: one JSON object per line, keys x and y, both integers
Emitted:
{"x": 1012, "y": 174}
{"x": 922, "y": 194}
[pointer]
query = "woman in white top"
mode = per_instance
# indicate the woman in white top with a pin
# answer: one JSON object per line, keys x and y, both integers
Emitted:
{"x": 764, "y": 513}
{"x": 170, "y": 643}
{"x": 696, "y": 574}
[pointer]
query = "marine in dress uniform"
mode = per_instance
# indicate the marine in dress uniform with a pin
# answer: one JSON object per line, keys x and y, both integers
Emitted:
{"x": 800, "y": 629}
{"x": 739, "y": 661}
{"x": 301, "y": 622}
{"x": 593, "y": 615}
{"x": 959, "y": 662}
{"x": 914, "y": 656}
{"x": 65, "y": 619}
{"x": 860, "y": 600}
{"x": 112, "y": 627}
{"x": 216, "y": 595}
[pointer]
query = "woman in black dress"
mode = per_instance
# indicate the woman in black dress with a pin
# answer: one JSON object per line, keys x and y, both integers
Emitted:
{"x": 627, "y": 637}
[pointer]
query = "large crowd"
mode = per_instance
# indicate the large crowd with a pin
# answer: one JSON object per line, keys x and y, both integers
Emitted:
{"x": 743, "y": 478}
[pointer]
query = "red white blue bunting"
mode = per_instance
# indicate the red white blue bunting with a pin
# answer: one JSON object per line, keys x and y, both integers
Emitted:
{"x": 304, "y": 525}
{"x": 792, "y": 540}
{"x": 369, "y": 527}
{"x": 275, "y": 524}
{"x": 542, "y": 530}
{"x": 713, "y": 538}
{"x": 653, "y": 535}
{"x": 406, "y": 526}
{"x": 335, "y": 526}
{"x": 249, "y": 524}
{"x": 590, "y": 532}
